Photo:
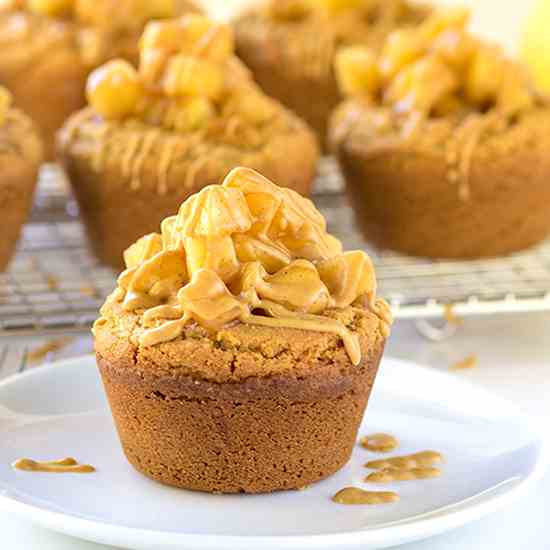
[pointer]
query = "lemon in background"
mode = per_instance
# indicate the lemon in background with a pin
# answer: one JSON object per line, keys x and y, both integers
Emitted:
{"x": 535, "y": 48}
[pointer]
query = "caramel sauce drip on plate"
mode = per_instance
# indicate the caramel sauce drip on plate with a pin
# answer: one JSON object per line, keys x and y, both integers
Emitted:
{"x": 469, "y": 362}
{"x": 406, "y": 462}
{"x": 63, "y": 465}
{"x": 388, "y": 475}
{"x": 379, "y": 443}
{"x": 354, "y": 495}
{"x": 450, "y": 315}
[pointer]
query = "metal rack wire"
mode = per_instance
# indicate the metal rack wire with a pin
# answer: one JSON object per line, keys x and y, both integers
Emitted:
{"x": 55, "y": 285}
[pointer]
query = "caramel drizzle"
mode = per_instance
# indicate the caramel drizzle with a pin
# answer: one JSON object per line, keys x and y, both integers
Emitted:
{"x": 37, "y": 354}
{"x": 416, "y": 460}
{"x": 64, "y": 465}
{"x": 165, "y": 162}
{"x": 389, "y": 475}
{"x": 193, "y": 170}
{"x": 354, "y": 495}
{"x": 450, "y": 316}
{"x": 469, "y": 362}
{"x": 282, "y": 318}
{"x": 382, "y": 310}
{"x": 462, "y": 150}
{"x": 160, "y": 312}
{"x": 470, "y": 142}
{"x": 169, "y": 330}
{"x": 379, "y": 443}
{"x": 100, "y": 150}
{"x": 71, "y": 128}
{"x": 147, "y": 146}
{"x": 130, "y": 153}
{"x": 192, "y": 272}
{"x": 315, "y": 323}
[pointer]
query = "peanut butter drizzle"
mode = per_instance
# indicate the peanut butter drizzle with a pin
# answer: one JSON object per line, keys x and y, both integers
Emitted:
{"x": 379, "y": 443}
{"x": 64, "y": 465}
{"x": 130, "y": 153}
{"x": 99, "y": 154}
{"x": 417, "y": 460}
{"x": 469, "y": 362}
{"x": 37, "y": 354}
{"x": 389, "y": 475}
{"x": 450, "y": 316}
{"x": 166, "y": 156}
{"x": 354, "y": 495}
{"x": 462, "y": 150}
{"x": 6, "y": 114}
{"x": 350, "y": 340}
{"x": 147, "y": 145}
{"x": 187, "y": 80}
{"x": 240, "y": 247}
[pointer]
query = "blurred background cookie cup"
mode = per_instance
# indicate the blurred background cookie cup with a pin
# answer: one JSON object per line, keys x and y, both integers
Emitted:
{"x": 20, "y": 157}
{"x": 50, "y": 46}
{"x": 289, "y": 46}
{"x": 240, "y": 347}
{"x": 443, "y": 144}
{"x": 152, "y": 136}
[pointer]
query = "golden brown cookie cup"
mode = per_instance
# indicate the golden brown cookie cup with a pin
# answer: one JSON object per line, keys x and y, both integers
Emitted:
{"x": 47, "y": 76}
{"x": 20, "y": 158}
{"x": 310, "y": 96}
{"x": 305, "y": 83}
{"x": 116, "y": 212}
{"x": 404, "y": 199}
{"x": 48, "y": 83}
{"x": 251, "y": 409}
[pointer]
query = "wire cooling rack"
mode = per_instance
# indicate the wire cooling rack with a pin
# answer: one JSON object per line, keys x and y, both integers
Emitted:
{"x": 55, "y": 285}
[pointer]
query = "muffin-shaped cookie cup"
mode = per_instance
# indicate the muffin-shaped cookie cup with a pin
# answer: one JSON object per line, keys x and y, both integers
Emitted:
{"x": 245, "y": 409}
{"x": 240, "y": 347}
{"x": 181, "y": 120}
{"x": 291, "y": 53}
{"x": 443, "y": 143}
{"x": 20, "y": 158}
{"x": 454, "y": 188}
{"x": 43, "y": 69}
{"x": 47, "y": 58}
{"x": 128, "y": 177}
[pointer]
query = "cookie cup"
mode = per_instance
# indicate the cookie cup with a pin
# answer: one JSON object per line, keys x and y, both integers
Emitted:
{"x": 20, "y": 158}
{"x": 414, "y": 190}
{"x": 293, "y": 60}
{"x": 128, "y": 176}
{"x": 45, "y": 64}
{"x": 247, "y": 409}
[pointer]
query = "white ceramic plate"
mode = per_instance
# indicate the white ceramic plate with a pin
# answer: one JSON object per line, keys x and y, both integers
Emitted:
{"x": 493, "y": 455}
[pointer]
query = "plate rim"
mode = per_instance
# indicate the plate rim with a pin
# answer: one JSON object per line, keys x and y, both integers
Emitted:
{"x": 128, "y": 537}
